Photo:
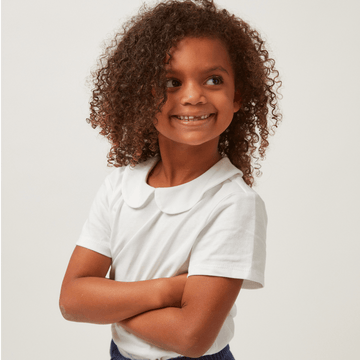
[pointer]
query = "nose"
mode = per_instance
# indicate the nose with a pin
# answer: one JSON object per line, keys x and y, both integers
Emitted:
{"x": 192, "y": 94}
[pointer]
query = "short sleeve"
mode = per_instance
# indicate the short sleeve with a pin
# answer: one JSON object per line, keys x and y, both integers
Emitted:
{"x": 232, "y": 244}
{"x": 95, "y": 234}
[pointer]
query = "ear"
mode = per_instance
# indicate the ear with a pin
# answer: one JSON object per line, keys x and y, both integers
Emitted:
{"x": 237, "y": 101}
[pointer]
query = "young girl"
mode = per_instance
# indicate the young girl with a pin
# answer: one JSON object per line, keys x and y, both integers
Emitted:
{"x": 186, "y": 95}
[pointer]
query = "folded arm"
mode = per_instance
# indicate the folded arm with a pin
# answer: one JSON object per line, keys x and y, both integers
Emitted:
{"x": 87, "y": 296}
{"x": 193, "y": 328}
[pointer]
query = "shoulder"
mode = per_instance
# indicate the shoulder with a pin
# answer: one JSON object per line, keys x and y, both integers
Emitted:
{"x": 114, "y": 179}
{"x": 111, "y": 187}
{"x": 120, "y": 175}
{"x": 129, "y": 183}
{"x": 233, "y": 189}
{"x": 235, "y": 201}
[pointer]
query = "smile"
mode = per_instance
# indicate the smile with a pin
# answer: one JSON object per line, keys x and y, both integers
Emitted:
{"x": 192, "y": 118}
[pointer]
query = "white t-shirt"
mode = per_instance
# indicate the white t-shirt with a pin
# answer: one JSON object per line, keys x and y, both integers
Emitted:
{"x": 214, "y": 225}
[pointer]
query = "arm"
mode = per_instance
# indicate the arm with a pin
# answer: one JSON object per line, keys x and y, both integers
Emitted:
{"x": 87, "y": 296}
{"x": 193, "y": 328}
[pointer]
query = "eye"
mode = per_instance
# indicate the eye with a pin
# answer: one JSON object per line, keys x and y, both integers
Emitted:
{"x": 171, "y": 83}
{"x": 215, "y": 80}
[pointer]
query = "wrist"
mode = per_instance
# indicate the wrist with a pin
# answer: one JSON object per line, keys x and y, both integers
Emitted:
{"x": 163, "y": 294}
{"x": 167, "y": 293}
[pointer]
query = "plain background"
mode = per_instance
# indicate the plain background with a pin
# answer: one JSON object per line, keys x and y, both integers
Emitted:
{"x": 53, "y": 164}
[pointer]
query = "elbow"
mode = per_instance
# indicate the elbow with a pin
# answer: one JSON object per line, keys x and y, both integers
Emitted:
{"x": 64, "y": 312}
{"x": 194, "y": 353}
{"x": 196, "y": 344}
{"x": 65, "y": 306}
{"x": 195, "y": 350}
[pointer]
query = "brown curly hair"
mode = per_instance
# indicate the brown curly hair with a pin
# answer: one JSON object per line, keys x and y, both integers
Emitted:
{"x": 130, "y": 83}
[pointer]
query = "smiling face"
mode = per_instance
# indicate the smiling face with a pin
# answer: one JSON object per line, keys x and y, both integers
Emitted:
{"x": 201, "y": 92}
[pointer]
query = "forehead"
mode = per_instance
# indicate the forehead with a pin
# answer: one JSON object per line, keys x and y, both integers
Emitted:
{"x": 192, "y": 53}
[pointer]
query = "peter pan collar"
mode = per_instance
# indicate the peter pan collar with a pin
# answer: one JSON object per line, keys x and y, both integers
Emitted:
{"x": 175, "y": 199}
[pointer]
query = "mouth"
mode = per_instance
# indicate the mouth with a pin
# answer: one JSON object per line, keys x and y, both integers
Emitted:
{"x": 191, "y": 118}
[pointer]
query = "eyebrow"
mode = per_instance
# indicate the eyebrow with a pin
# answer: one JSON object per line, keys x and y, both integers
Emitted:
{"x": 216, "y": 68}
{"x": 170, "y": 70}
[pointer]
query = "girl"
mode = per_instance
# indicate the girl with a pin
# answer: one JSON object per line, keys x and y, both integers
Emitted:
{"x": 186, "y": 95}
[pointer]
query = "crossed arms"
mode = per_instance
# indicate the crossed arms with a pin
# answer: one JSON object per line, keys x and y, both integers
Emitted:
{"x": 179, "y": 314}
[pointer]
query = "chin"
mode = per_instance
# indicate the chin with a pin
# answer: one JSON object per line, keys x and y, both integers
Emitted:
{"x": 196, "y": 141}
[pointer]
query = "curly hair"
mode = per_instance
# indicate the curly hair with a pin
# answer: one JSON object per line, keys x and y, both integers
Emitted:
{"x": 130, "y": 83}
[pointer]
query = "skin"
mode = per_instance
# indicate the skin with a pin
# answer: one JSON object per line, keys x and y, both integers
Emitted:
{"x": 181, "y": 315}
{"x": 87, "y": 296}
{"x": 201, "y": 82}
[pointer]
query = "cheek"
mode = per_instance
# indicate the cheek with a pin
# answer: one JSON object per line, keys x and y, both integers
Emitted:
{"x": 166, "y": 107}
{"x": 226, "y": 103}
{"x": 161, "y": 121}
{"x": 236, "y": 106}
{"x": 162, "y": 115}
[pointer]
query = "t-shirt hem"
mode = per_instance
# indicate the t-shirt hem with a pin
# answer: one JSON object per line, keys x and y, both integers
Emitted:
{"x": 252, "y": 280}
{"x": 94, "y": 245}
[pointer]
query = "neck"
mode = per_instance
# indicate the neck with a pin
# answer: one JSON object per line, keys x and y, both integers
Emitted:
{"x": 182, "y": 163}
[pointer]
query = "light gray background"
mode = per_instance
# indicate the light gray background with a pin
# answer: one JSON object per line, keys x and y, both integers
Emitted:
{"x": 53, "y": 163}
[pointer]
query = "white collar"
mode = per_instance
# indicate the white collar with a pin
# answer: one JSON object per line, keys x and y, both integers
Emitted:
{"x": 175, "y": 199}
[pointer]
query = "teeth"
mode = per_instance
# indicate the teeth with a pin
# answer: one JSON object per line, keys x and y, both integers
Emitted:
{"x": 193, "y": 118}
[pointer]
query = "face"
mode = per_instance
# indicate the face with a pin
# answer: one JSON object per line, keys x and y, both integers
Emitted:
{"x": 201, "y": 92}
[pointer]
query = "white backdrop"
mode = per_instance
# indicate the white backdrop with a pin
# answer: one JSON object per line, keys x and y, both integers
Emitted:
{"x": 53, "y": 163}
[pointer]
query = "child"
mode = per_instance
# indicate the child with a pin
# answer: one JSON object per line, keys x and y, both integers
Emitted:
{"x": 184, "y": 95}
